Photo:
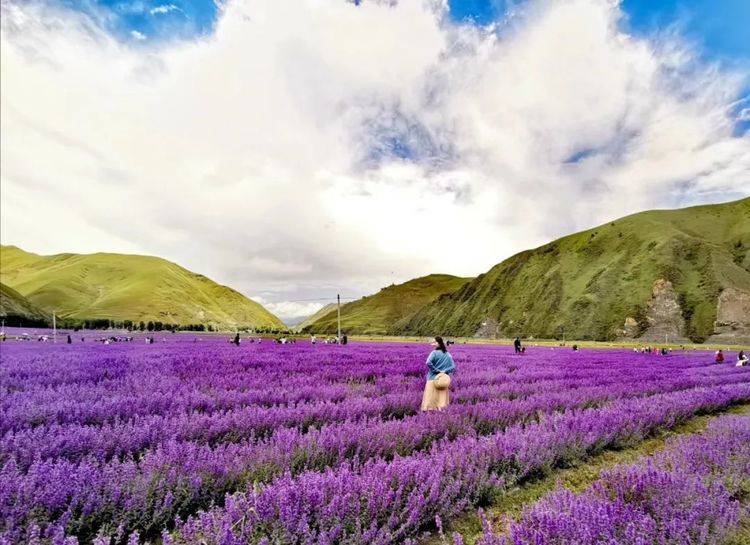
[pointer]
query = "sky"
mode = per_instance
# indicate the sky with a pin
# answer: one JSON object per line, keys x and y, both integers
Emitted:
{"x": 296, "y": 150}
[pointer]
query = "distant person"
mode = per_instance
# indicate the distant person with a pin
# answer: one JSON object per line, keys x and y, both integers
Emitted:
{"x": 236, "y": 340}
{"x": 440, "y": 367}
{"x": 575, "y": 348}
{"x": 344, "y": 339}
{"x": 741, "y": 359}
{"x": 719, "y": 357}
{"x": 70, "y": 341}
{"x": 313, "y": 340}
{"x": 517, "y": 345}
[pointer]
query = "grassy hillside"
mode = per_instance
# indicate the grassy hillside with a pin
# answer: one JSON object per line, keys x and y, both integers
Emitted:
{"x": 378, "y": 313}
{"x": 127, "y": 287}
{"x": 15, "y": 309}
{"x": 302, "y": 326}
{"x": 585, "y": 285}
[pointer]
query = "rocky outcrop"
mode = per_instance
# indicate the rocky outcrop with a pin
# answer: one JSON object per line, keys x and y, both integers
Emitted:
{"x": 489, "y": 329}
{"x": 732, "y": 317}
{"x": 664, "y": 314}
{"x": 630, "y": 328}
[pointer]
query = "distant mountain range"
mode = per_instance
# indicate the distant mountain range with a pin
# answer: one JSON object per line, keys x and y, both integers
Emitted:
{"x": 661, "y": 275}
{"x": 302, "y": 326}
{"x": 671, "y": 275}
{"x": 126, "y": 287}
{"x": 390, "y": 308}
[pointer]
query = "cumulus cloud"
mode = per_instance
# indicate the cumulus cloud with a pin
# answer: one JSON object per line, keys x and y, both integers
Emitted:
{"x": 329, "y": 148}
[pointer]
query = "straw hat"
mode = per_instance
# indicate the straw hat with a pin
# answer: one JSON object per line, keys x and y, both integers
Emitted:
{"x": 442, "y": 381}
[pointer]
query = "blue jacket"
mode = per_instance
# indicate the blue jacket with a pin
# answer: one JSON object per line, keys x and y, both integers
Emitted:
{"x": 439, "y": 362}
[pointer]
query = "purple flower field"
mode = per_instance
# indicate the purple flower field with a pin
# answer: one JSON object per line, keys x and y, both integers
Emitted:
{"x": 687, "y": 494}
{"x": 205, "y": 442}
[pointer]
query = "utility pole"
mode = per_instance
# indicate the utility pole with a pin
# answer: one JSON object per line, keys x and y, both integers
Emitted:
{"x": 338, "y": 316}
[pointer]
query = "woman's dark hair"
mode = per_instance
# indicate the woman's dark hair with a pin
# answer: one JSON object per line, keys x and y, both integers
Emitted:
{"x": 441, "y": 344}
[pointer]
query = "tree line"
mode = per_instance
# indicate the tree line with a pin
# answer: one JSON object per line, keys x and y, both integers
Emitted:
{"x": 131, "y": 325}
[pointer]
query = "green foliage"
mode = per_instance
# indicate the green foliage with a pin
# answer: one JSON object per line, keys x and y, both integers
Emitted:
{"x": 738, "y": 251}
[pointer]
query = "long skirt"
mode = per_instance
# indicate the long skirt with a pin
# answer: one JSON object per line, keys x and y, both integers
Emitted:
{"x": 434, "y": 399}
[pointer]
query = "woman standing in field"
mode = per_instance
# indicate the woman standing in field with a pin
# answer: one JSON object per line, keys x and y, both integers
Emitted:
{"x": 440, "y": 366}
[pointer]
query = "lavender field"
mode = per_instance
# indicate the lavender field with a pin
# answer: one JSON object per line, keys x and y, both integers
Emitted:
{"x": 688, "y": 493}
{"x": 189, "y": 441}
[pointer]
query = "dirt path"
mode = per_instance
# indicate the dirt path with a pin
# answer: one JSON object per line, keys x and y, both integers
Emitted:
{"x": 577, "y": 478}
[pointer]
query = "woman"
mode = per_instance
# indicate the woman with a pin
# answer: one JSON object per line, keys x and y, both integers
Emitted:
{"x": 439, "y": 364}
{"x": 741, "y": 359}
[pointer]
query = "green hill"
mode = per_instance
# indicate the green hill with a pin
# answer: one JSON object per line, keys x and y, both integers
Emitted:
{"x": 302, "y": 326}
{"x": 378, "y": 313}
{"x": 16, "y": 310}
{"x": 127, "y": 287}
{"x": 660, "y": 274}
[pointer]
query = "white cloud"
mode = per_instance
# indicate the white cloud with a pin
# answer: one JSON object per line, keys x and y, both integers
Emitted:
{"x": 327, "y": 148}
{"x": 134, "y": 7}
{"x": 138, "y": 35}
{"x": 164, "y": 9}
{"x": 291, "y": 311}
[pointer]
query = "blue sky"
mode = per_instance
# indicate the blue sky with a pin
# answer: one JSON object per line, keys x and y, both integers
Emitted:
{"x": 152, "y": 19}
{"x": 719, "y": 27}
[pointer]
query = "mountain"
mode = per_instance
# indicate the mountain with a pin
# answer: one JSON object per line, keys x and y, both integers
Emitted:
{"x": 662, "y": 274}
{"x": 315, "y": 317}
{"x": 379, "y": 313}
{"x": 127, "y": 287}
{"x": 16, "y": 310}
